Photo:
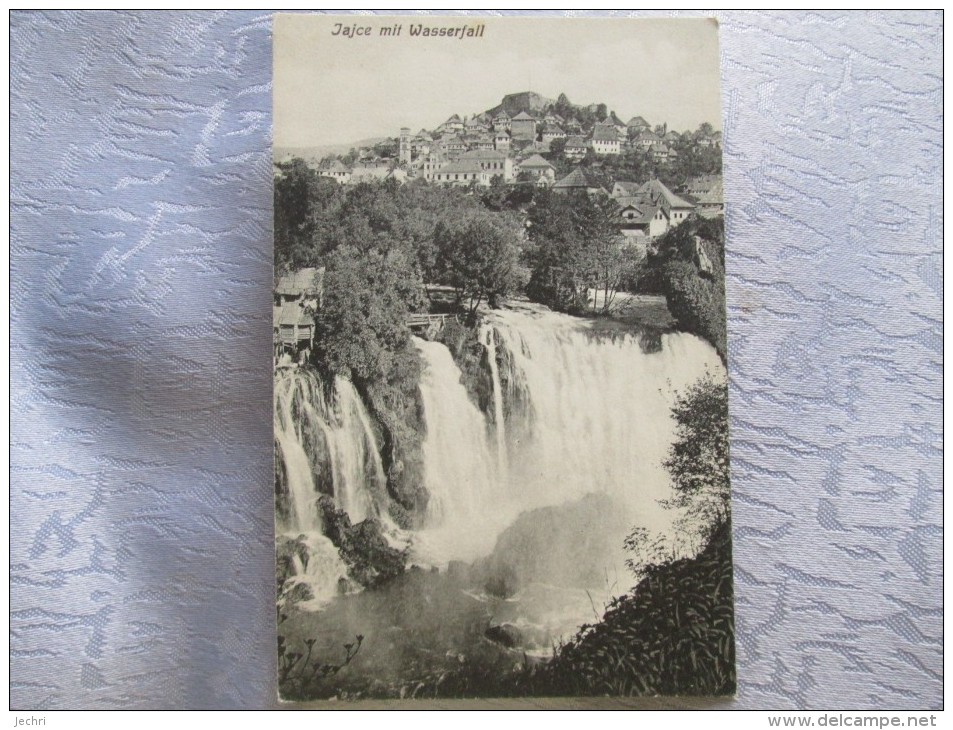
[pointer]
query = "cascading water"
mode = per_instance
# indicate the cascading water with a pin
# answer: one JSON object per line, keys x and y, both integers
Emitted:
{"x": 461, "y": 472}
{"x": 579, "y": 420}
{"x": 488, "y": 338}
{"x": 598, "y": 421}
{"x": 328, "y": 435}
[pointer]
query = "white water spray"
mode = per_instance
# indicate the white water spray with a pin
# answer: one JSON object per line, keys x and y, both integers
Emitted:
{"x": 329, "y": 434}
{"x": 599, "y": 421}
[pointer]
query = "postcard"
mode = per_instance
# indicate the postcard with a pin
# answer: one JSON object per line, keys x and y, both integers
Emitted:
{"x": 500, "y": 391}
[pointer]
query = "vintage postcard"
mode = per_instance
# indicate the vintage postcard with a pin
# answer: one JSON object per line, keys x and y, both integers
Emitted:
{"x": 500, "y": 392}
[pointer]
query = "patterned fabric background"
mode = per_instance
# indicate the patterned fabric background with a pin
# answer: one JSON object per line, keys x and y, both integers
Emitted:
{"x": 141, "y": 496}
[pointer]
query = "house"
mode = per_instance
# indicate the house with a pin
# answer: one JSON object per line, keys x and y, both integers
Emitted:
{"x": 336, "y": 171}
{"x": 501, "y": 140}
{"x": 453, "y": 125}
{"x": 398, "y": 174}
{"x": 638, "y": 124}
{"x": 462, "y": 172}
{"x": 539, "y": 168}
{"x": 501, "y": 122}
{"x": 453, "y": 146}
{"x": 675, "y": 208}
{"x": 482, "y": 142}
{"x": 660, "y": 153}
{"x": 646, "y": 139}
{"x": 578, "y": 179}
{"x": 419, "y": 147}
{"x": 671, "y": 137}
{"x": 490, "y": 161}
{"x": 300, "y": 286}
{"x": 707, "y": 193}
{"x": 293, "y": 327}
{"x": 475, "y": 125}
{"x": 605, "y": 140}
{"x": 622, "y": 189}
{"x": 619, "y": 125}
{"x": 433, "y": 162}
{"x": 297, "y": 296}
{"x": 368, "y": 173}
{"x": 553, "y": 131}
{"x": 575, "y": 148}
{"x": 523, "y": 126}
{"x": 640, "y": 217}
{"x": 649, "y": 209}
{"x": 534, "y": 147}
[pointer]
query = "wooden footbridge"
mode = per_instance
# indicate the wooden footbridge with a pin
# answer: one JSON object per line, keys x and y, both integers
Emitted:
{"x": 427, "y": 325}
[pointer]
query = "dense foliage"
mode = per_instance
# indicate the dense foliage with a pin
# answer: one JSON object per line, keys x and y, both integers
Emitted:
{"x": 478, "y": 256}
{"x": 698, "y": 461}
{"x": 687, "y": 265}
{"x": 576, "y": 249}
{"x": 673, "y": 635}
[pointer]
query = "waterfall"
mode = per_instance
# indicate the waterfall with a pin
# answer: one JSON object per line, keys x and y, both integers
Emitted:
{"x": 461, "y": 472}
{"x": 328, "y": 435}
{"x": 601, "y": 418}
{"x": 574, "y": 413}
{"x": 599, "y": 422}
{"x": 488, "y": 338}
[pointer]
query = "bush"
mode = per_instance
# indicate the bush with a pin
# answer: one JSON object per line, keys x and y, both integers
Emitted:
{"x": 696, "y": 297}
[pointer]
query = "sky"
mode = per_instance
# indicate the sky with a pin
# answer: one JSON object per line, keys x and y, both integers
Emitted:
{"x": 332, "y": 89}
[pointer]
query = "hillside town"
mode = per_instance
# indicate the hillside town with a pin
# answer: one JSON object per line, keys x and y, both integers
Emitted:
{"x": 566, "y": 205}
{"x": 658, "y": 177}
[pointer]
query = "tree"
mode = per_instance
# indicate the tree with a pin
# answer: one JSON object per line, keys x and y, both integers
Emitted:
{"x": 556, "y": 148}
{"x": 577, "y": 247}
{"x": 696, "y": 299}
{"x": 362, "y": 322}
{"x": 698, "y": 460}
{"x": 478, "y": 256}
{"x": 564, "y": 107}
{"x": 602, "y": 248}
{"x": 304, "y": 204}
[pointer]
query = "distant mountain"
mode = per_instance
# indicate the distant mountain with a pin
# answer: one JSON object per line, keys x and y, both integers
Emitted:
{"x": 524, "y": 101}
{"x": 319, "y": 151}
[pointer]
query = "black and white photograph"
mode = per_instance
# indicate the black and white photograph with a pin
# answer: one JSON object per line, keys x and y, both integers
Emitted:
{"x": 500, "y": 353}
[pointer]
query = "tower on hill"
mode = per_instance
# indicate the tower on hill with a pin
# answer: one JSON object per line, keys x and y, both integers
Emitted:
{"x": 404, "y": 149}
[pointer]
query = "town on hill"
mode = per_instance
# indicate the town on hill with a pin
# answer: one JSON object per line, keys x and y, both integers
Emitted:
{"x": 567, "y": 205}
{"x": 529, "y": 139}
